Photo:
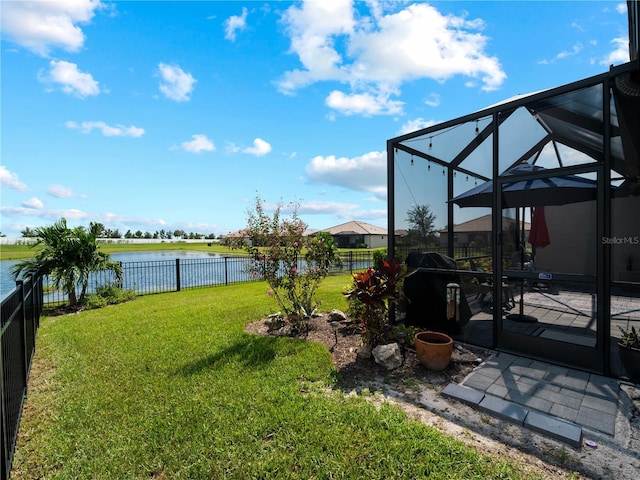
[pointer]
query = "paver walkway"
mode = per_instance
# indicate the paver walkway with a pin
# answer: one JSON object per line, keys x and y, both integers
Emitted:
{"x": 551, "y": 399}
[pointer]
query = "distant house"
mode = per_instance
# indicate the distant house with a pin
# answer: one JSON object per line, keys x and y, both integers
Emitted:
{"x": 358, "y": 234}
{"x": 477, "y": 231}
{"x": 235, "y": 239}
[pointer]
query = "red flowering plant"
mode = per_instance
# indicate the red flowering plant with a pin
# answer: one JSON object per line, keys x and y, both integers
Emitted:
{"x": 275, "y": 250}
{"x": 370, "y": 295}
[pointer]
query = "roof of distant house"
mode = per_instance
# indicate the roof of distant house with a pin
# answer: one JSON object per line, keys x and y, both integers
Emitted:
{"x": 355, "y": 228}
{"x": 481, "y": 224}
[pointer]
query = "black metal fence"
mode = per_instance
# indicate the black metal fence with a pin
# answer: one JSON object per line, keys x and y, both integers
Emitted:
{"x": 161, "y": 276}
{"x": 20, "y": 320}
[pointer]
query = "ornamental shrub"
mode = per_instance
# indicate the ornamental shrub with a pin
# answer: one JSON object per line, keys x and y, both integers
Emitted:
{"x": 275, "y": 246}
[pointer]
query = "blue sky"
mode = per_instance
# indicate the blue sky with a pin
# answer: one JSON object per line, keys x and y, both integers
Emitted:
{"x": 158, "y": 115}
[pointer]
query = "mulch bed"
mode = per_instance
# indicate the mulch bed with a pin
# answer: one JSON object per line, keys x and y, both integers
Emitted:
{"x": 354, "y": 370}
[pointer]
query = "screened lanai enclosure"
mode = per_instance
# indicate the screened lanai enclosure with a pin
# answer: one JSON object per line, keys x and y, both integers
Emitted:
{"x": 550, "y": 182}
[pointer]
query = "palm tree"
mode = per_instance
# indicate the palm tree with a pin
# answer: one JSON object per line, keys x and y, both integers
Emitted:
{"x": 68, "y": 256}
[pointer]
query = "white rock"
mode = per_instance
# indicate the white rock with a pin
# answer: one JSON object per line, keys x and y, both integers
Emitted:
{"x": 337, "y": 316}
{"x": 389, "y": 356}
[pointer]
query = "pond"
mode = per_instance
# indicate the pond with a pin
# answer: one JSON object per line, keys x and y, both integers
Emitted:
{"x": 173, "y": 270}
{"x": 7, "y": 284}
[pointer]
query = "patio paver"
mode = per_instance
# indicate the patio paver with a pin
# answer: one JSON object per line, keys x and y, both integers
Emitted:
{"x": 555, "y": 401}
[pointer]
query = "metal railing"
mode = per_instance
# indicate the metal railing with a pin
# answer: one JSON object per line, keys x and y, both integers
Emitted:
{"x": 20, "y": 320}
{"x": 162, "y": 276}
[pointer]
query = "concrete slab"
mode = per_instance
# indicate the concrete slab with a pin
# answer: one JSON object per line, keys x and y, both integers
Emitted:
{"x": 603, "y": 386}
{"x": 478, "y": 381}
{"x": 537, "y": 403}
{"x": 467, "y": 395}
{"x": 553, "y": 427}
{"x": 574, "y": 380}
{"x": 564, "y": 412}
{"x": 498, "y": 391}
{"x": 596, "y": 420}
{"x": 503, "y": 409}
{"x": 559, "y": 398}
{"x": 490, "y": 371}
{"x": 602, "y": 404}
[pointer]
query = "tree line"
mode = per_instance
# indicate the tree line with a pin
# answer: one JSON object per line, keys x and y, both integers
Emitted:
{"x": 103, "y": 232}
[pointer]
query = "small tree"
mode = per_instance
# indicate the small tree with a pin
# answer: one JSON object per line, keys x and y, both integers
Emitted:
{"x": 28, "y": 233}
{"x": 68, "y": 256}
{"x": 421, "y": 221}
{"x": 275, "y": 246}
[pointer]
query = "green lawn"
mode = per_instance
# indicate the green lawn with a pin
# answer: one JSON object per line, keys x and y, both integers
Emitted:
{"x": 17, "y": 252}
{"x": 170, "y": 387}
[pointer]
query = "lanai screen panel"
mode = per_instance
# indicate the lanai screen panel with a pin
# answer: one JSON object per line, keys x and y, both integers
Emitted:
{"x": 418, "y": 184}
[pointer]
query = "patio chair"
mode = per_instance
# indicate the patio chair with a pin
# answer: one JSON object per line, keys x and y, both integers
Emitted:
{"x": 485, "y": 295}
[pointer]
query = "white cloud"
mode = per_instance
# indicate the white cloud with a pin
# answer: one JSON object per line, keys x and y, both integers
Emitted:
{"x": 11, "y": 180}
{"x": 235, "y": 23}
{"x": 313, "y": 29}
{"x": 382, "y": 51}
{"x": 33, "y": 203}
{"x": 346, "y": 211}
{"x": 620, "y": 54}
{"x": 107, "y": 130}
{"x": 41, "y": 26}
{"x": 79, "y": 217}
{"x": 199, "y": 143}
{"x": 327, "y": 208}
{"x": 577, "y": 48}
{"x": 365, "y": 104}
{"x": 260, "y": 148}
{"x": 70, "y": 80}
{"x": 365, "y": 173}
{"x": 70, "y": 214}
{"x": 575, "y": 24}
{"x": 176, "y": 84}
{"x": 59, "y": 191}
{"x": 433, "y": 100}
{"x": 415, "y": 124}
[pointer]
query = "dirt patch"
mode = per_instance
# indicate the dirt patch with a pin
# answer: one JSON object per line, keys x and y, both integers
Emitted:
{"x": 417, "y": 391}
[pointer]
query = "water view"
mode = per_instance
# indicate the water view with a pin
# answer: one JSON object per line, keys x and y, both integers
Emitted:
{"x": 138, "y": 259}
{"x": 172, "y": 270}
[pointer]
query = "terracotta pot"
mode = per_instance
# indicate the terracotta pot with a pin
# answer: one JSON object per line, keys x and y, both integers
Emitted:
{"x": 434, "y": 350}
{"x": 630, "y": 358}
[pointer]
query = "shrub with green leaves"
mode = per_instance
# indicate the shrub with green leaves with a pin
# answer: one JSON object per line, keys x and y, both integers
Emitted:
{"x": 275, "y": 246}
{"x": 107, "y": 295}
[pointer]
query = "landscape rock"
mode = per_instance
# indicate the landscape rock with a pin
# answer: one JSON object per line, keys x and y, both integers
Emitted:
{"x": 389, "y": 356}
{"x": 337, "y": 316}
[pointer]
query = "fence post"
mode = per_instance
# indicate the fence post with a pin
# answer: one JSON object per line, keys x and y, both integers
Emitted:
{"x": 6, "y": 441}
{"x": 226, "y": 273}
{"x": 177, "y": 274}
{"x": 23, "y": 332}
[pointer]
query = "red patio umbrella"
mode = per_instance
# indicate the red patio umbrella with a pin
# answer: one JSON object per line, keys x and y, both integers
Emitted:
{"x": 538, "y": 234}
